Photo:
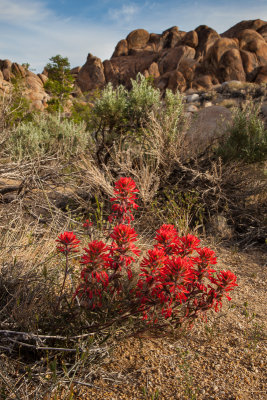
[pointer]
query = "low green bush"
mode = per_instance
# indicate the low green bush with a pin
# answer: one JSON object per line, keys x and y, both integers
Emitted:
{"x": 122, "y": 118}
{"x": 48, "y": 134}
{"x": 247, "y": 139}
{"x": 119, "y": 109}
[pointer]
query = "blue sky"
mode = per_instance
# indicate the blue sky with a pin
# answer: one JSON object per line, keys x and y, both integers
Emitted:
{"x": 35, "y": 30}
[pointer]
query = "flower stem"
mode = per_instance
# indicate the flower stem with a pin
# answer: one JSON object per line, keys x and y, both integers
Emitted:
{"x": 64, "y": 280}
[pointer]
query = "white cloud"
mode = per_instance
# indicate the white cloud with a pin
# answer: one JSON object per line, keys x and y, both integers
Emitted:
{"x": 125, "y": 13}
{"x": 23, "y": 11}
{"x": 33, "y": 33}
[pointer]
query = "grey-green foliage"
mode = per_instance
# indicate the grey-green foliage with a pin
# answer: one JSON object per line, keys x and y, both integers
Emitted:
{"x": 164, "y": 134}
{"x": 120, "y": 108}
{"x": 142, "y": 99}
{"x": 48, "y": 134}
{"x": 247, "y": 139}
{"x": 110, "y": 109}
{"x": 173, "y": 116}
{"x": 174, "y": 103}
{"x": 122, "y": 116}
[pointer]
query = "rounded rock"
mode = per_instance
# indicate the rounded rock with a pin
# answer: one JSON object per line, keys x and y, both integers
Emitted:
{"x": 137, "y": 39}
{"x": 192, "y": 98}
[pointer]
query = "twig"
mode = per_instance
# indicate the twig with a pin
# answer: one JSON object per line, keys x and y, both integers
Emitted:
{"x": 33, "y": 336}
{"x": 43, "y": 348}
{"x": 10, "y": 388}
{"x": 83, "y": 383}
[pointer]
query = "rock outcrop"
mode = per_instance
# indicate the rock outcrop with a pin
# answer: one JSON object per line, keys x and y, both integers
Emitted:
{"x": 195, "y": 60}
{"x": 91, "y": 72}
{"x": 32, "y": 85}
{"x": 181, "y": 60}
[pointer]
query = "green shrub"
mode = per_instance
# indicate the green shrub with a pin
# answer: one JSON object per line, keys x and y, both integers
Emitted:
{"x": 142, "y": 99}
{"x": 247, "y": 140}
{"x": 169, "y": 117}
{"x": 127, "y": 118}
{"x": 81, "y": 112}
{"x": 119, "y": 108}
{"x": 110, "y": 109}
{"x": 48, "y": 134}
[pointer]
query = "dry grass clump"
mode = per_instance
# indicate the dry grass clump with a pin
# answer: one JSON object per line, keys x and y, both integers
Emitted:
{"x": 28, "y": 290}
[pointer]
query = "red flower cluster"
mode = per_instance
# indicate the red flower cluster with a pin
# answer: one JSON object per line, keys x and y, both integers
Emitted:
{"x": 124, "y": 200}
{"x": 87, "y": 224}
{"x": 68, "y": 243}
{"x": 94, "y": 276}
{"x": 167, "y": 238}
{"x": 172, "y": 277}
{"x": 225, "y": 282}
{"x": 176, "y": 278}
{"x": 123, "y": 248}
{"x": 96, "y": 255}
{"x": 188, "y": 244}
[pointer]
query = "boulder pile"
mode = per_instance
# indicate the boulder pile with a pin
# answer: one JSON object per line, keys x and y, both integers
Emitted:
{"x": 32, "y": 84}
{"x": 198, "y": 59}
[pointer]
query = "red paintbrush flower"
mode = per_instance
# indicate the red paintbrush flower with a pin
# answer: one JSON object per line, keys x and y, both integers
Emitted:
{"x": 123, "y": 237}
{"x": 167, "y": 239}
{"x": 87, "y": 224}
{"x": 225, "y": 279}
{"x": 152, "y": 265}
{"x": 96, "y": 255}
{"x": 125, "y": 191}
{"x": 68, "y": 243}
{"x": 176, "y": 275}
{"x": 206, "y": 257}
{"x": 188, "y": 244}
{"x": 203, "y": 261}
{"x": 178, "y": 271}
{"x": 156, "y": 259}
{"x": 125, "y": 187}
{"x": 122, "y": 248}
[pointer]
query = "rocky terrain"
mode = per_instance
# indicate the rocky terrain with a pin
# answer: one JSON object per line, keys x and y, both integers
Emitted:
{"x": 208, "y": 108}
{"x": 181, "y": 60}
{"x": 34, "y": 84}
{"x": 198, "y": 60}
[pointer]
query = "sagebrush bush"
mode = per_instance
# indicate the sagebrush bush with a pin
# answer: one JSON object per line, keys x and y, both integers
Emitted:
{"x": 142, "y": 99}
{"x": 138, "y": 117}
{"x": 119, "y": 108}
{"x": 247, "y": 139}
{"x": 48, "y": 134}
{"x": 163, "y": 136}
